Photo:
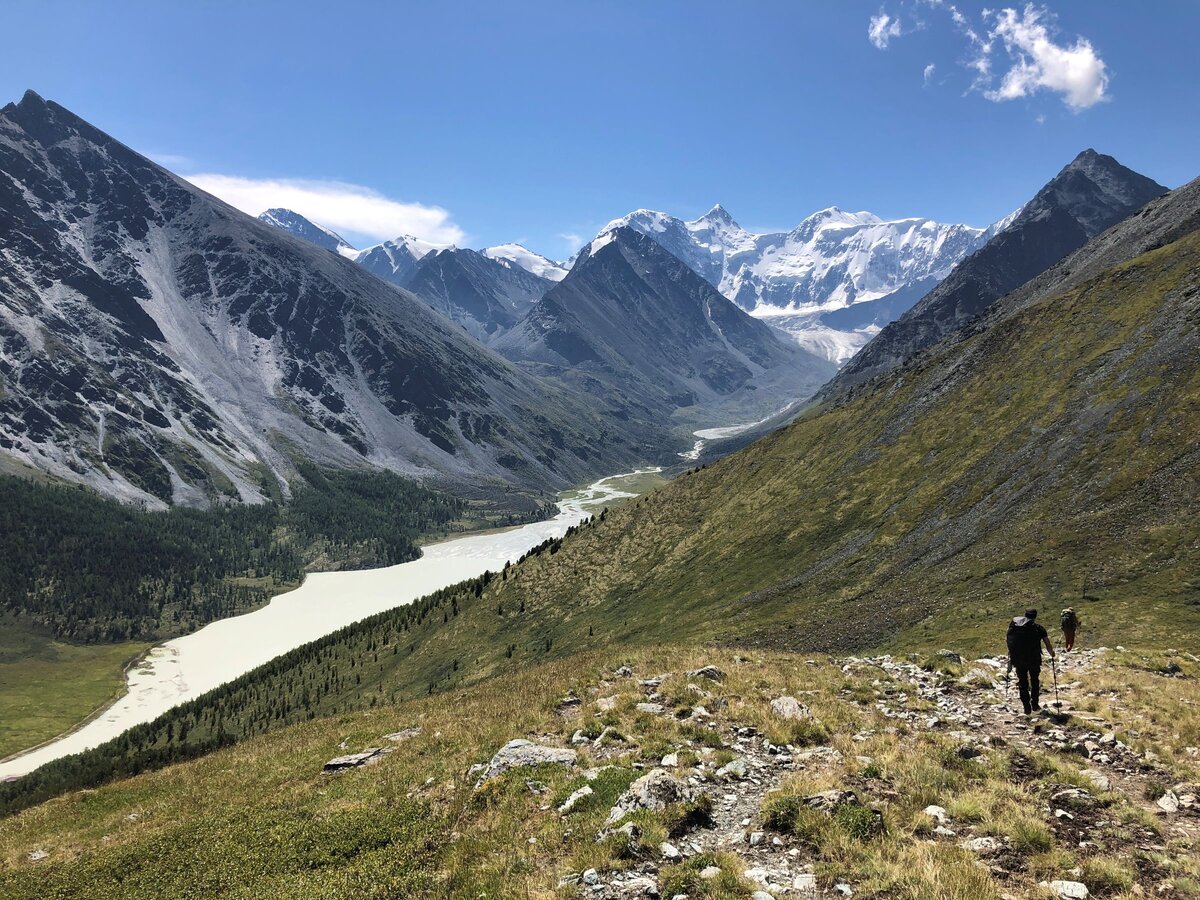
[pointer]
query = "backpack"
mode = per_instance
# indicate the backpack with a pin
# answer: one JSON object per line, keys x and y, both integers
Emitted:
{"x": 1024, "y": 642}
{"x": 1069, "y": 620}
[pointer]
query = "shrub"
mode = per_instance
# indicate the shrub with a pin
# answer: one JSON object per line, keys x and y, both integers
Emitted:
{"x": 860, "y": 822}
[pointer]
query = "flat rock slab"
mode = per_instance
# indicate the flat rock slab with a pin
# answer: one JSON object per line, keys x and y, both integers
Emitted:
{"x": 370, "y": 756}
{"x": 519, "y": 753}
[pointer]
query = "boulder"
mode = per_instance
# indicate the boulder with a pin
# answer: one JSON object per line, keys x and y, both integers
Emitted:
{"x": 1098, "y": 779}
{"x": 652, "y": 708}
{"x": 790, "y": 708}
{"x": 520, "y": 753}
{"x": 712, "y": 673}
{"x": 338, "y": 764}
{"x": 668, "y": 850}
{"x": 655, "y": 790}
{"x": 938, "y": 813}
{"x": 1168, "y": 802}
{"x": 950, "y": 656}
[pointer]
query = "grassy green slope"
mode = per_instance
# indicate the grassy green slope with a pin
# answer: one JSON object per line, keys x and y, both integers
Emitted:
{"x": 259, "y": 820}
{"x": 1048, "y": 459}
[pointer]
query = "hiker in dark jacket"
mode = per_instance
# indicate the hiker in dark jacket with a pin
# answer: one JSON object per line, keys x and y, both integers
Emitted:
{"x": 1025, "y": 640}
{"x": 1070, "y": 624}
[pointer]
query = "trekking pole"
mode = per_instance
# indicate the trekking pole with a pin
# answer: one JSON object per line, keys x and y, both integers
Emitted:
{"x": 1054, "y": 670}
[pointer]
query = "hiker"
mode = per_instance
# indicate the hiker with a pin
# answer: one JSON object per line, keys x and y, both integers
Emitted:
{"x": 1025, "y": 640}
{"x": 1070, "y": 624}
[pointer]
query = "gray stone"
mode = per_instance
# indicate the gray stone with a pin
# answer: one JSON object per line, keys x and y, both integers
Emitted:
{"x": 950, "y": 656}
{"x": 370, "y": 756}
{"x": 653, "y": 708}
{"x": 790, "y": 708}
{"x": 829, "y": 801}
{"x": 805, "y": 883}
{"x": 982, "y": 846}
{"x": 710, "y": 672}
{"x": 605, "y": 704}
{"x": 570, "y": 802}
{"x": 1098, "y": 779}
{"x": 710, "y": 872}
{"x": 591, "y": 876}
{"x": 643, "y": 885}
{"x": 938, "y": 813}
{"x": 669, "y": 850}
{"x": 654, "y": 791}
{"x": 733, "y": 771}
{"x": 519, "y": 753}
{"x": 397, "y": 737}
{"x": 1168, "y": 802}
{"x": 1069, "y": 890}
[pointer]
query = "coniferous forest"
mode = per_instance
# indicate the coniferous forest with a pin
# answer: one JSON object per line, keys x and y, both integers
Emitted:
{"x": 89, "y": 569}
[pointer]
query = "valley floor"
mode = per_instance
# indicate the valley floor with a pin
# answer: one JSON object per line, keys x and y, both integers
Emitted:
{"x": 889, "y": 778}
{"x": 48, "y": 687}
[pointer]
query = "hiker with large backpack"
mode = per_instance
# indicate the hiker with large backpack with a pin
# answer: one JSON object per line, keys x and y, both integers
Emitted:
{"x": 1070, "y": 624}
{"x": 1025, "y": 640}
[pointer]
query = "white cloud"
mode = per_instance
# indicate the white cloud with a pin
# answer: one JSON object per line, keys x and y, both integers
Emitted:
{"x": 334, "y": 204}
{"x": 573, "y": 241}
{"x": 1075, "y": 71}
{"x": 882, "y": 29}
{"x": 929, "y": 70}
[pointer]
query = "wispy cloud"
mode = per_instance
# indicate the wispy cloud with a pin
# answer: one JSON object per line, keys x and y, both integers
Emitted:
{"x": 882, "y": 28}
{"x": 572, "y": 240}
{"x": 929, "y": 70}
{"x": 335, "y": 204}
{"x": 1075, "y": 72}
{"x": 1020, "y": 47}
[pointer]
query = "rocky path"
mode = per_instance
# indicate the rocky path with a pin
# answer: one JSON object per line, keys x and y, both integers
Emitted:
{"x": 978, "y": 713}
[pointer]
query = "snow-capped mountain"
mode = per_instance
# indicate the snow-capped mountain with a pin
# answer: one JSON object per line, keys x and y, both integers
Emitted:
{"x": 833, "y": 260}
{"x": 484, "y": 291}
{"x": 397, "y": 259}
{"x": 632, "y": 320}
{"x": 162, "y": 346}
{"x": 515, "y": 254}
{"x": 298, "y": 225}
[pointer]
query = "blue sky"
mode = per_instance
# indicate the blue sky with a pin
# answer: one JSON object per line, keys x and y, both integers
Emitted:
{"x": 485, "y": 122}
